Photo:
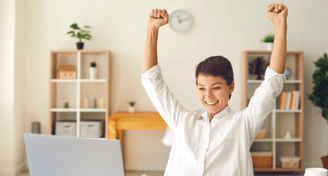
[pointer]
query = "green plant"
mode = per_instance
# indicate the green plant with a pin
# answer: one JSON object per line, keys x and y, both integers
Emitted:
{"x": 132, "y": 103}
{"x": 268, "y": 38}
{"x": 81, "y": 34}
{"x": 319, "y": 96}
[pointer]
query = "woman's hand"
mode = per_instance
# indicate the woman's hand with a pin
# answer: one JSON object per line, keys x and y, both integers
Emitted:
{"x": 276, "y": 12}
{"x": 157, "y": 18}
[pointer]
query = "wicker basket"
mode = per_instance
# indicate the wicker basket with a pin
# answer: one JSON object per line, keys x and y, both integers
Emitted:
{"x": 290, "y": 162}
{"x": 262, "y": 160}
{"x": 261, "y": 134}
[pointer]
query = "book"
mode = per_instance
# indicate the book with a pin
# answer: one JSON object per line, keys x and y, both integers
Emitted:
{"x": 297, "y": 101}
{"x": 291, "y": 101}
{"x": 281, "y": 100}
{"x": 287, "y": 100}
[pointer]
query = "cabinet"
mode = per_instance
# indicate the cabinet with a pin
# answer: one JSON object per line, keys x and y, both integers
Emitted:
{"x": 76, "y": 91}
{"x": 279, "y": 121}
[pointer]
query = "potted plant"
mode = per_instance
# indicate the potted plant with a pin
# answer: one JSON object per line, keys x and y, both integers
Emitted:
{"x": 93, "y": 71}
{"x": 81, "y": 34}
{"x": 131, "y": 107}
{"x": 269, "y": 39}
{"x": 319, "y": 95}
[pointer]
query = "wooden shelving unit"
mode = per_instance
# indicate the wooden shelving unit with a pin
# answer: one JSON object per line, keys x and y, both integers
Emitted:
{"x": 279, "y": 121}
{"x": 80, "y": 88}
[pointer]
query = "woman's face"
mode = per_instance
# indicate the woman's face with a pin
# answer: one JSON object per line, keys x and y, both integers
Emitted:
{"x": 213, "y": 90}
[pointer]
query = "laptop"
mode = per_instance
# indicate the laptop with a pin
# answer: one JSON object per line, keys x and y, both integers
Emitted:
{"x": 50, "y": 155}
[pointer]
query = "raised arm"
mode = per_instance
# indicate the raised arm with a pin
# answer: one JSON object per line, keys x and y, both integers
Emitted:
{"x": 277, "y": 13}
{"x": 157, "y": 18}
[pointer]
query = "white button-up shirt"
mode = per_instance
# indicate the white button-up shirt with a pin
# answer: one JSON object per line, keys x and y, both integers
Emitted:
{"x": 217, "y": 148}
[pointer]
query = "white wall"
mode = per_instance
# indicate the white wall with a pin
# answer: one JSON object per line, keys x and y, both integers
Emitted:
{"x": 220, "y": 28}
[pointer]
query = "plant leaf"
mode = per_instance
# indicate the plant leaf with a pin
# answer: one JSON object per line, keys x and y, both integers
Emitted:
{"x": 74, "y": 26}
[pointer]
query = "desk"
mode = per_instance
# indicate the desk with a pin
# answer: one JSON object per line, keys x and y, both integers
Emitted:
{"x": 133, "y": 121}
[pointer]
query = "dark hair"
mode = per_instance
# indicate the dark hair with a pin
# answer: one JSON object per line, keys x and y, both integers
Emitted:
{"x": 216, "y": 66}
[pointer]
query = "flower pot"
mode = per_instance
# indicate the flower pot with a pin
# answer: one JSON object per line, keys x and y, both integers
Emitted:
{"x": 269, "y": 46}
{"x": 79, "y": 45}
{"x": 325, "y": 161}
{"x": 93, "y": 73}
{"x": 131, "y": 109}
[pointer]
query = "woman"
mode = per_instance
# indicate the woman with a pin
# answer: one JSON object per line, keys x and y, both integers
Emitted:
{"x": 218, "y": 141}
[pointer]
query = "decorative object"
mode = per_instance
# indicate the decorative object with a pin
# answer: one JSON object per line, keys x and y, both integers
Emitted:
{"x": 287, "y": 72}
{"x": 131, "y": 107}
{"x": 67, "y": 72}
{"x": 93, "y": 71}
{"x": 81, "y": 34}
{"x": 180, "y": 21}
{"x": 290, "y": 162}
{"x": 257, "y": 67}
{"x": 269, "y": 39}
{"x": 261, "y": 134}
{"x": 262, "y": 160}
{"x": 288, "y": 135}
{"x": 65, "y": 101}
{"x": 101, "y": 103}
{"x": 93, "y": 103}
{"x": 319, "y": 96}
{"x": 86, "y": 103}
{"x": 36, "y": 126}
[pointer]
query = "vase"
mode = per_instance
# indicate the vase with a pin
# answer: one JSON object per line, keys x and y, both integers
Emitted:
{"x": 325, "y": 161}
{"x": 269, "y": 46}
{"x": 93, "y": 73}
{"x": 79, "y": 45}
{"x": 131, "y": 109}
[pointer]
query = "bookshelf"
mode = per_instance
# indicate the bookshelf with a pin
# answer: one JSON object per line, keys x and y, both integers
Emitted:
{"x": 278, "y": 121}
{"x": 79, "y": 89}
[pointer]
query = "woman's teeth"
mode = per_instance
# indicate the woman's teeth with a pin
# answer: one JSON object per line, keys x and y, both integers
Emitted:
{"x": 211, "y": 103}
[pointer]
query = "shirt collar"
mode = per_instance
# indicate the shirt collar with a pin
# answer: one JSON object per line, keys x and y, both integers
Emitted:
{"x": 219, "y": 115}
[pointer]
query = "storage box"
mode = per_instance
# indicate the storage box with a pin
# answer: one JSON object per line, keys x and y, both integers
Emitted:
{"x": 261, "y": 134}
{"x": 262, "y": 160}
{"x": 65, "y": 128}
{"x": 92, "y": 129}
{"x": 290, "y": 162}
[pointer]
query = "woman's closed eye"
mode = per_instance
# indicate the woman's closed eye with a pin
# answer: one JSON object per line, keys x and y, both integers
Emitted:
{"x": 213, "y": 88}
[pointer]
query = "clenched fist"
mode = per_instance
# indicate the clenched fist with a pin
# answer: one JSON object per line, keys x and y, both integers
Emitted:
{"x": 276, "y": 12}
{"x": 157, "y": 18}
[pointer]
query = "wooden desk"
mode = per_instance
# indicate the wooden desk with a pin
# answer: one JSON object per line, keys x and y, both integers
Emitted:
{"x": 133, "y": 121}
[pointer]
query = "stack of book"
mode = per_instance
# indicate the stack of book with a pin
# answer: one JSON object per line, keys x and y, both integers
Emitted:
{"x": 289, "y": 100}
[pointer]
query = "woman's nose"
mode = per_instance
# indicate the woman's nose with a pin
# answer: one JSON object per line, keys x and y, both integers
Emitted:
{"x": 209, "y": 94}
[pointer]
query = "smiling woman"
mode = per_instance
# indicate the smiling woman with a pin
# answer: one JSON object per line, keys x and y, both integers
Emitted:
{"x": 217, "y": 141}
{"x": 214, "y": 79}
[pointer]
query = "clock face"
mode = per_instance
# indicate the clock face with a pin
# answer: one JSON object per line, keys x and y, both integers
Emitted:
{"x": 180, "y": 21}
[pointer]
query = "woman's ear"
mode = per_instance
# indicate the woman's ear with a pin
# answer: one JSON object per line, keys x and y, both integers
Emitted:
{"x": 231, "y": 87}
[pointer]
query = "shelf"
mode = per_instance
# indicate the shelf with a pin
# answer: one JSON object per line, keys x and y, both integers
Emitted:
{"x": 263, "y": 140}
{"x": 93, "y": 80}
{"x": 288, "y": 81}
{"x": 93, "y": 110}
{"x": 63, "y": 110}
{"x": 76, "y": 80}
{"x": 64, "y": 80}
{"x": 279, "y": 121}
{"x": 288, "y": 140}
{"x": 290, "y": 111}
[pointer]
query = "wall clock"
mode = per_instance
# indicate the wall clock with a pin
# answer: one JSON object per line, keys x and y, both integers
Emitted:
{"x": 180, "y": 21}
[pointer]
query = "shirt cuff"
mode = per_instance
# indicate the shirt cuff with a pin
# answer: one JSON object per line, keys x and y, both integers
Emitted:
{"x": 269, "y": 73}
{"x": 152, "y": 72}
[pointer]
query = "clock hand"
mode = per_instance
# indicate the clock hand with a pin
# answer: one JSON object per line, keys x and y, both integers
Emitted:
{"x": 179, "y": 19}
{"x": 184, "y": 19}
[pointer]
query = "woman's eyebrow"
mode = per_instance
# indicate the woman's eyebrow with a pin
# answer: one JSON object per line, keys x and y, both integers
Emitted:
{"x": 212, "y": 84}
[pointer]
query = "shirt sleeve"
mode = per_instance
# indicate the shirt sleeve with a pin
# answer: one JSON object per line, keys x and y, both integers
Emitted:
{"x": 262, "y": 102}
{"x": 162, "y": 97}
